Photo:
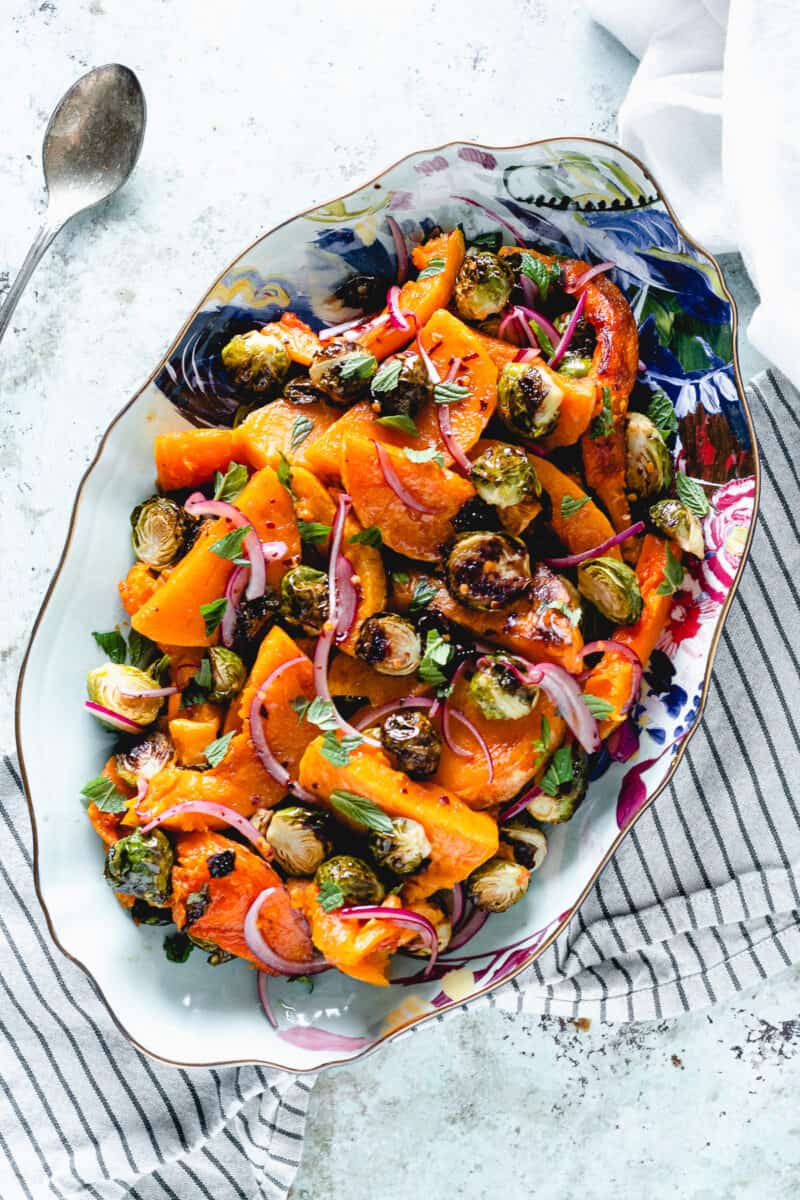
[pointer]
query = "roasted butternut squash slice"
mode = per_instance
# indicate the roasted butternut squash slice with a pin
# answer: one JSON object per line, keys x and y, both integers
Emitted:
{"x": 268, "y": 432}
{"x": 584, "y": 529}
{"x": 190, "y": 457}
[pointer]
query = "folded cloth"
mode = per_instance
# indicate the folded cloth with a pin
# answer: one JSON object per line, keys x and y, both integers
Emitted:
{"x": 712, "y": 110}
{"x": 82, "y": 1113}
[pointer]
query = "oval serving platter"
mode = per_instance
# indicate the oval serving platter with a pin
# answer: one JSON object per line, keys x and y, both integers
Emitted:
{"x": 580, "y": 197}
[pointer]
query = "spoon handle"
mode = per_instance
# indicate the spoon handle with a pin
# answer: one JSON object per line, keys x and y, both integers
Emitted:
{"x": 40, "y": 243}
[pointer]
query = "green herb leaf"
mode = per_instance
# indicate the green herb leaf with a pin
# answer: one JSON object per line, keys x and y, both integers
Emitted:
{"x": 160, "y": 667}
{"x": 401, "y": 578}
{"x": 360, "y": 809}
{"x": 215, "y": 751}
{"x": 424, "y": 592}
{"x": 603, "y": 424}
{"x": 434, "y": 267}
{"x": 285, "y": 473}
{"x": 338, "y": 750}
{"x": 544, "y": 275}
{"x": 387, "y": 376}
{"x": 106, "y": 796}
{"x": 438, "y": 654}
{"x": 371, "y": 536}
{"x": 692, "y": 495}
{"x": 202, "y": 676}
{"x": 300, "y": 706}
{"x": 400, "y": 422}
{"x": 662, "y": 414}
{"x": 313, "y": 531}
{"x": 141, "y": 650}
{"x": 488, "y": 241}
{"x": 573, "y": 615}
{"x": 673, "y": 575}
{"x": 301, "y": 428}
{"x": 230, "y": 546}
{"x": 449, "y": 393}
{"x": 542, "y": 743}
{"x": 546, "y": 345}
{"x": 228, "y": 486}
{"x": 597, "y": 706}
{"x": 357, "y": 365}
{"x": 572, "y": 504}
{"x": 178, "y": 947}
{"x": 560, "y": 771}
{"x": 424, "y": 456}
{"x": 212, "y": 613}
{"x": 112, "y": 644}
{"x": 330, "y": 896}
{"x": 321, "y": 713}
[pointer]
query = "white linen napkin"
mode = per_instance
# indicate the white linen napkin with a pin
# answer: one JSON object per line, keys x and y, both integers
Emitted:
{"x": 713, "y": 111}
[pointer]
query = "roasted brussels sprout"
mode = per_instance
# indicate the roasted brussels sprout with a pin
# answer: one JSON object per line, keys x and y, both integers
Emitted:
{"x": 145, "y": 759}
{"x": 304, "y": 598}
{"x": 108, "y": 685}
{"x": 342, "y": 371}
{"x": 528, "y": 401}
{"x": 390, "y": 644}
{"x": 257, "y": 362}
{"x": 356, "y": 879}
{"x": 159, "y": 530}
{"x": 504, "y": 475}
{"x": 141, "y": 865}
{"x": 302, "y": 391}
{"x": 487, "y": 570}
{"x": 612, "y": 587}
{"x": 497, "y": 884}
{"x": 577, "y": 359}
{"x": 252, "y": 618}
{"x": 567, "y": 796}
{"x": 680, "y": 525}
{"x": 401, "y": 386}
{"x": 300, "y": 838}
{"x": 648, "y": 466}
{"x": 228, "y": 674}
{"x": 483, "y": 286}
{"x": 528, "y": 844}
{"x": 405, "y": 850}
{"x": 143, "y": 913}
{"x": 412, "y": 743}
{"x": 498, "y": 692}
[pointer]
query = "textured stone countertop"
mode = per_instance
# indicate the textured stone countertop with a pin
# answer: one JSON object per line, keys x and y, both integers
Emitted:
{"x": 255, "y": 112}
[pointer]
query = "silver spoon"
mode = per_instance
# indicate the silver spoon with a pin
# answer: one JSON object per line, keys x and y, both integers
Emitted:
{"x": 90, "y": 147}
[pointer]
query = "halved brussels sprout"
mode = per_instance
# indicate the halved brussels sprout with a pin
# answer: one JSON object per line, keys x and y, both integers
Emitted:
{"x": 141, "y": 865}
{"x": 680, "y": 525}
{"x": 498, "y": 884}
{"x": 405, "y": 850}
{"x": 613, "y": 589}
{"x": 302, "y": 391}
{"x": 105, "y": 685}
{"x": 483, "y": 286}
{"x": 253, "y": 617}
{"x": 300, "y": 838}
{"x": 356, "y": 879}
{"x": 159, "y": 531}
{"x": 342, "y": 371}
{"x": 577, "y": 359}
{"x": 648, "y": 466}
{"x": 504, "y": 475}
{"x": 529, "y": 844}
{"x": 498, "y": 692}
{"x": 304, "y": 598}
{"x": 412, "y": 743}
{"x": 257, "y": 362}
{"x": 528, "y": 401}
{"x": 400, "y": 393}
{"x": 228, "y": 674}
{"x": 564, "y": 804}
{"x": 390, "y": 644}
{"x": 487, "y": 570}
{"x": 145, "y": 759}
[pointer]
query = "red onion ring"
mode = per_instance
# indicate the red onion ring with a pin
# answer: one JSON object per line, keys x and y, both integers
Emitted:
{"x": 210, "y": 808}
{"x": 322, "y": 687}
{"x": 258, "y": 945}
{"x": 398, "y": 916}
{"x": 542, "y": 321}
{"x": 457, "y": 715}
{"x": 263, "y": 995}
{"x": 446, "y": 714}
{"x": 198, "y": 506}
{"x": 348, "y": 597}
{"x": 142, "y": 788}
{"x": 528, "y": 354}
{"x": 114, "y": 719}
{"x": 233, "y": 594}
{"x": 516, "y": 806}
{"x": 448, "y": 437}
{"x": 401, "y": 249}
{"x": 568, "y": 333}
{"x": 382, "y": 710}
{"x": 269, "y": 762}
{"x": 149, "y": 693}
{"x": 333, "y": 331}
{"x": 528, "y": 288}
{"x": 396, "y": 317}
{"x": 342, "y": 596}
{"x": 585, "y": 276}
{"x": 393, "y": 481}
{"x": 573, "y": 560}
{"x": 511, "y": 328}
{"x": 563, "y": 690}
{"x": 433, "y": 374}
{"x": 457, "y": 906}
{"x": 610, "y": 646}
{"x": 623, "y": 742}
{"x": 474, "y": 922}
{"x": 374, "y": 323}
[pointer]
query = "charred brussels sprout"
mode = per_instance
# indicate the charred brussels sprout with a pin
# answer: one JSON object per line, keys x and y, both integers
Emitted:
{"x": 145, "y": 759}
{"x": 342, "y": 372}
{"x": 567, "y": 796}
{"x": 577, "y": 360}
{"x": 412, "y": 743}
{"x": 302, "y": 391}
{"x": 528, "y": 402}
{"x": 498, "y": 692}
{"x": 487, "y": 570}
{"x": 401, "y": 386}
{"x": 680, "y": 525}
{"x": 117, "y": 687}
{"x": 257, "y": 362}
{"x": 497, "y": 885}
{"x": 405, "y": 850}
{"x": 504, "y": 475}
{"x": 612, "y": 587}
{"x": 528, "y": 844}
{"x": 159, "y": 531}
{"x": 390, "y": 644}
{"x": 648, "y": 466}
{"x": 300, "y": 838}
{"x": 483, "y": 286}
{"x": 141, "y": 865}
{"x": 252, "y": 618}
{"x": 228, "y": 674}
{"x": 355, "y": 879}
{"x": 304, "y": 598}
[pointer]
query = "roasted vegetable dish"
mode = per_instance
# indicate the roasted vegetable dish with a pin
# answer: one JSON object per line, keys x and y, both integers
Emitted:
{"x": 383, "y": 627}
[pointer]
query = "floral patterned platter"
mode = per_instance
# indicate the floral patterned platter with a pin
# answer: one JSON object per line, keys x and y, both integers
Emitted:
{"x": 579, "y": 197}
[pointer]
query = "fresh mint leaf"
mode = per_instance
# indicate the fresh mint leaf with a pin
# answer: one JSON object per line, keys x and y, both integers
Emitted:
{"x": 112, "y": 644}
{"x": 673, "y": 575}
{"x": 300, "y": 706}
{"x": 371, "y": 536}
{"x": 449, "y": 393}
{"x": 437, "y": 654}
{"x": 488, "y": 241}
{"x": 662, "y": 414}
{"x": 361, "y": 810}
{"x": 230, "y": 546}
{"x": 401, "y": 578}
{"x": 105, "y": 795}
{"x": 435, "y": 267}
{"x": 215, "y": 751}
{"x": 178, "y": 947}
{"x": 313, "y": 531}
{"x": 597, "y": 706}
{"x": 400, "y": 422}
{"x": 338, "y": 750}
{"x": 202, "y": 676}
{"x": 212, "y": 614}
{"x": 545, "y": 344}
{"x": 387, "y": 376}
{"x": 603, "y": 424}
{"x": 228, "y": 486}
{"x": 285, "y": 473}
{"x": 301, "y": 428}
{"x": 330, "y": 896}
{"x": 560, "y": 771}
{"x": 544, "y": 275}
{"x": 692, "y": 495}
{"x": 321, "y": 713}
{"x": 424, "y": 592}
{"x": 572, "y": 504}
{"x": 141, "y": 650}
{"x": 424, "y": 456}
{"x": 357, "y": 365}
